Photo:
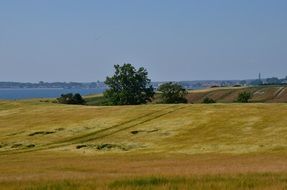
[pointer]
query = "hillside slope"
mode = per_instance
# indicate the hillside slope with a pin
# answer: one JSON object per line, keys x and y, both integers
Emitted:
{"x": 263, "y": 94}
{"x": 192, "y": 129}
{"x": 189, "y": 146}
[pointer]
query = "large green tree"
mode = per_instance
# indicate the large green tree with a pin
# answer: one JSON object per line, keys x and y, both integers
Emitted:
{"x": 129, "y": 86}
{"x": 172, "y": 93}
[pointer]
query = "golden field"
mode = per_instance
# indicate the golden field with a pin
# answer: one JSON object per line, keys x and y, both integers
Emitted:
{"x": 219, "y": 146}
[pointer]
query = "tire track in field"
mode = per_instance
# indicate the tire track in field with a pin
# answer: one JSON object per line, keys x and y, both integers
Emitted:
{"x": 223, "y": 96}
{"x": 279, "y": 92}
{"x": 47, "y": 146}
{"x": 134, "y": 125}
{"x": 207, "y": 95}
{"x": 117, "y": 128}
{"x": 103, "y": 132}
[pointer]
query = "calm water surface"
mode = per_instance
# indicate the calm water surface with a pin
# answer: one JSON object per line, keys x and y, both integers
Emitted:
{"x": 27, "y": 93}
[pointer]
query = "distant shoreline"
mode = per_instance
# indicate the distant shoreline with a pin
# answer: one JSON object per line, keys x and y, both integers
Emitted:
{"x": 12, "y": 88}
{"x": 30, "y": 93}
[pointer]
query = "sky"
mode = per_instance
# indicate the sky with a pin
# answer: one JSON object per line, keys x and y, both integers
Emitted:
{"x": 73, "y": 40}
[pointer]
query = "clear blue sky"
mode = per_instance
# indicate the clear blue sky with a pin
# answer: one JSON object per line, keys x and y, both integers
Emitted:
{"x": 73, "y": 40}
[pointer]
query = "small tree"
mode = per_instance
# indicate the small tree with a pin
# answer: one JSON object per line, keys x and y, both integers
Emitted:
{"x": 244, "y": 97}
{"x": 71, "y": 99}
{"x": 208, "y": 101}
{"x": 78, "y": 99}
{"x": 129, "y": 86}
{"x": 172, "y": 93}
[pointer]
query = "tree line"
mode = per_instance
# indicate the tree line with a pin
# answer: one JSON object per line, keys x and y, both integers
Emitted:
{"x": 131, "y": 86}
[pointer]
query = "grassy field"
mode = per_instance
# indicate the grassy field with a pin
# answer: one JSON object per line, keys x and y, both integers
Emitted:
{"x": 220, "y": 146}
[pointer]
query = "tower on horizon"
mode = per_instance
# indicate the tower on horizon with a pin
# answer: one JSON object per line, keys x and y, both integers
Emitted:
{"x": 259, "y": 76}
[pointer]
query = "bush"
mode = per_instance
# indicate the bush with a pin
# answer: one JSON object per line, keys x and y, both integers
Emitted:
{"x": 244, "y": 97}
{"x": 208, "y": 101}
{"x": 71, "y": 98}
{"x": 172, "y": 93}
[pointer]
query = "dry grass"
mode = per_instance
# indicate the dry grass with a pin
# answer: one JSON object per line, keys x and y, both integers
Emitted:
{"x": 220, "y": 146}
{"x": 118, "y": 171}
{"x": 207, "y": 182}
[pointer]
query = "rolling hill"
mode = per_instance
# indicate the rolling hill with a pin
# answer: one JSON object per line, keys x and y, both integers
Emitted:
{"x": 263, "y": 94}
{"x": 51, "y": 146}
{"x": 260, "y": 94}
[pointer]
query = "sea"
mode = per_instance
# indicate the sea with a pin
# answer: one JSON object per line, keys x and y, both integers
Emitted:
{"x": 29, "y": 93}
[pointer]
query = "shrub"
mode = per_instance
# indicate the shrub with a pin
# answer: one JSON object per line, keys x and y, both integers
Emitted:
{"x": 172, "y": 93}
{"x": 71, "y": 98}
{"x": 244, "y": 97}
{"x": 208, "y": 101}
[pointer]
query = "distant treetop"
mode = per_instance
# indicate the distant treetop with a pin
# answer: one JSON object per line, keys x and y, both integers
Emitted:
{"x": 172, "y": 93}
